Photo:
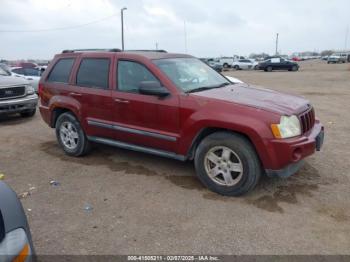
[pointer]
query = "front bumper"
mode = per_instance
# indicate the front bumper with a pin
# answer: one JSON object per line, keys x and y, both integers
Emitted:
{"x": 18, "y": 105}
{"x": 286, "y": 155}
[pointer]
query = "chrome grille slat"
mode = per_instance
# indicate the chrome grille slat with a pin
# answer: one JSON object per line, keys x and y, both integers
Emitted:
{"x": 12, "y": 92}
{"x": 307, "y": 120}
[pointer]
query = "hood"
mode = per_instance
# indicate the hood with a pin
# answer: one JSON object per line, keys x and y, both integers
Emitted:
{"x": 258, "y": 97}
{"x": 6, "y": 81}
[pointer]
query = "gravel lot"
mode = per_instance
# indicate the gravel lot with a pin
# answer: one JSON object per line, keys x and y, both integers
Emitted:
{"x": 144, "y": 204}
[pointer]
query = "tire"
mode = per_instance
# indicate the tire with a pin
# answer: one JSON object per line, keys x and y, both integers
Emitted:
{"x": 294, "y": 68}
{"x": 236, "y": 67}
{"x": 256, "y": 67}
{"x": 29, "y": 113}
{"x": 79, "y": 144}
{"x": 268, "y": 69}
{"x": 226, "y": 65}
{"x": 242, "y": 155}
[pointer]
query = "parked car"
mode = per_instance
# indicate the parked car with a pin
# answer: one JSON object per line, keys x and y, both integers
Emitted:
{"x": 244, "y": 64}
{"x": 16, "y": 95}
{"x": 175, "y": 106}
{"x": 337, "y": 58}
{"x": 277, "y": 64}
{"x": 31, "y": 74}
{"x": 225, "y": 62}
{"x": 210, "y": 62}
{"x": 15, "y": 237}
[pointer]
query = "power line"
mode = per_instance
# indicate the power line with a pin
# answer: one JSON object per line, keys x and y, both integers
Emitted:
{"x": 58, "y": 28}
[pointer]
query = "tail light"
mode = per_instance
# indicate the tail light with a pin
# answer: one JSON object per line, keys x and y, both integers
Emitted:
{"x": 40, "y": 89}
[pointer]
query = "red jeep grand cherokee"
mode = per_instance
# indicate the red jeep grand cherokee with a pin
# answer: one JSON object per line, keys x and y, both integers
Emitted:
{"x": 176, "y": 106}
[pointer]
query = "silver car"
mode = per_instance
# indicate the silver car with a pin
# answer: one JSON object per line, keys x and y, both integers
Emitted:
{"x": 15, "y": 238}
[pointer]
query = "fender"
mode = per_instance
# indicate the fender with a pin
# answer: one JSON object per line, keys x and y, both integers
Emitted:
{"x": 202, "y": 123}
{"x": 65, "y": 102}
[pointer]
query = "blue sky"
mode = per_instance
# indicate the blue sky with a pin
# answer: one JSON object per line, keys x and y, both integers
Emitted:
{"x": 214, "y": 28}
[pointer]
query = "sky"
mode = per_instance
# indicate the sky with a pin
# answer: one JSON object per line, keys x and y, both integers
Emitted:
{"x": 204, "y": 28}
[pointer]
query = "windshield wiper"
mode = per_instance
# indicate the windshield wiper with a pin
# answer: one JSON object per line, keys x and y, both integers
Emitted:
{"x": 203, "y": 88}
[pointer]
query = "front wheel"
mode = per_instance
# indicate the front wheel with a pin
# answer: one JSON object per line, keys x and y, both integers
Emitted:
{"x": 236, "y": 67}
{"x": 227, "y": 164}
{"x": 268, "y": 69}
{"x": 71, "y": 136}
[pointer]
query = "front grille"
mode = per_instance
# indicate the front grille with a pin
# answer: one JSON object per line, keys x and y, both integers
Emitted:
{"x": 11, "y": 92}
{"x": 307, "y": 120}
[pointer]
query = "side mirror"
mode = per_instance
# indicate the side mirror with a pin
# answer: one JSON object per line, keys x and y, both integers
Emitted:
{"x": 153, "y": 88}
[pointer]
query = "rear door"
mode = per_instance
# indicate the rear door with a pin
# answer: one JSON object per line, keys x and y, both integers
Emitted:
{"x": 93, "y": 78}
{"x": 140, "y": 119}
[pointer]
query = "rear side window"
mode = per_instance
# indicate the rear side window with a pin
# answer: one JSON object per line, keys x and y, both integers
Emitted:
{"x": 61, "y": 71}
{"x": 93, "y": 72}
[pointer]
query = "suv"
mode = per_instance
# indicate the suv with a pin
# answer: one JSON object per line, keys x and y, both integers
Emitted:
{"x": 176, "y": 106}
{"x": 16, "y": 95}
{"x": 15, "y": 238}
{"x": 277, "y": 63}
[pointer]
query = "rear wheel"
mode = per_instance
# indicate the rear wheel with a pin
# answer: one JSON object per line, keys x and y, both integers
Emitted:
{"x": 227, "y": 164}
{"x": 294, "y": 68}
{"x": 226, "y": 65}
{"x": 70, "y": 135}
{"x": 29, "y": 113}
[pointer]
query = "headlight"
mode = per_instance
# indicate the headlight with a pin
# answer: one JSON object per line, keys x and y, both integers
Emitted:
{"x": 29, "y": 90}
{"x": 289, "y": 126}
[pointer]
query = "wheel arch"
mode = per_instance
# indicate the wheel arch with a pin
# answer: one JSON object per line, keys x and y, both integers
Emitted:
{"x": 204, "y": 132}
{"x": 56, "y": 112}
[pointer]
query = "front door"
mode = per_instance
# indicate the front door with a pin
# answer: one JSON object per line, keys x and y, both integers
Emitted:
{"x": 144, "y": 120}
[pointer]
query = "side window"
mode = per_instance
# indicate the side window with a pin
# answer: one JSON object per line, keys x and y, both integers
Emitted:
{"x": 31, "y": 72}
{"x": 93, "y": 72}
{"x": 61, "y": 71}
{"x": 18, "y": 71}
{"x": 130, "y": 74}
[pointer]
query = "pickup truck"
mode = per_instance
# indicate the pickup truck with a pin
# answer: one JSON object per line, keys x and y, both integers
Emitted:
{"x": 16, "y": 95}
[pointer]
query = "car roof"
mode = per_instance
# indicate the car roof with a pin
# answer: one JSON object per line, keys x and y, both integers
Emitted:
{"x": 152, "y": 55}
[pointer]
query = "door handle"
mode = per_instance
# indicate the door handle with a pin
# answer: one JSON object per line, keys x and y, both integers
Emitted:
{"x": 75, "y": 94}
{"x": 121, "y": 101}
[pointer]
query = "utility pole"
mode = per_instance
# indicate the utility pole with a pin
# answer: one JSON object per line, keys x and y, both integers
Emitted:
{"x": 277, "y": 44}
{"x": 346, "y": 38}
{"x": 122, "y": 18}
{"x": 156, "y": 45}
{"x": 185, "y": 32}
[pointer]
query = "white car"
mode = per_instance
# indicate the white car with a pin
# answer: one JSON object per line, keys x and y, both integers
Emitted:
{"x": 32, "y": 75}
{"x": 244, "y": 64}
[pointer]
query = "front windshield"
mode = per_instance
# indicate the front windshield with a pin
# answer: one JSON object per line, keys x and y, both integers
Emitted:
{"x": 191, "y": 74}
{"x": 3, "y": 72}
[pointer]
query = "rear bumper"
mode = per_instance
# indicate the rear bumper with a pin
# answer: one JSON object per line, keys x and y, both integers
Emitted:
{"x": 19, "y": 104}
{"x": 286, "y": 155}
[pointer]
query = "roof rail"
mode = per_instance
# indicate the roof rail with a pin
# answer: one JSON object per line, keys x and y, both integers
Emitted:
{"x": 92, "y": 50}
{"x": 145, "y": 50}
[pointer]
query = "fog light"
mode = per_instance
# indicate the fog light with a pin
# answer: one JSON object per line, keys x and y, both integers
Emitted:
{"x": 296, "y": 154}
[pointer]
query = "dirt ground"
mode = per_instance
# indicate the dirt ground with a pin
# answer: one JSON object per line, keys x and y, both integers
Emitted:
{"x": 143, "y": 204}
